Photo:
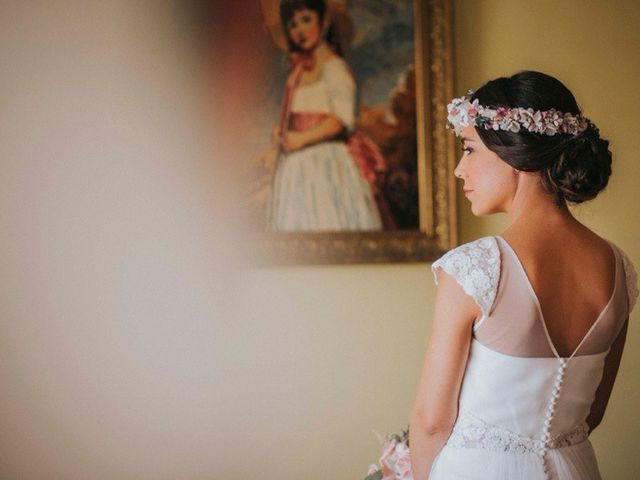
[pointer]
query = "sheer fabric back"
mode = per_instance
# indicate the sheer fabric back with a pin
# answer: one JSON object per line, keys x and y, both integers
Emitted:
{"x": 515, "y": 325}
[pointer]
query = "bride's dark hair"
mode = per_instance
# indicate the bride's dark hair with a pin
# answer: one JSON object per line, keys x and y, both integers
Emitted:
{"x": 573, "y": 168}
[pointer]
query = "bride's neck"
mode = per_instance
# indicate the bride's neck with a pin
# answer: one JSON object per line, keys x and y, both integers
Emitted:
{"x": 531, "y": 205}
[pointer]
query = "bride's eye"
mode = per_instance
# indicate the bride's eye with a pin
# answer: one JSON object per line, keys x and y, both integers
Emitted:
{"x": 467, "y": 149}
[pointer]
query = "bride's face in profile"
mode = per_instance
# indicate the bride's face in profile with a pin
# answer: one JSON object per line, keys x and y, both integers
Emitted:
{"x": 489, "y": 182}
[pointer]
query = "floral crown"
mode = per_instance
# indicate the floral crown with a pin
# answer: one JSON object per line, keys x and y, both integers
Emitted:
{"x": 463, "y": 112}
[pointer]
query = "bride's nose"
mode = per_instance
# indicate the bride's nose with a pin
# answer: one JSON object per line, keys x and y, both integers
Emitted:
{"x": 458, "y": 172}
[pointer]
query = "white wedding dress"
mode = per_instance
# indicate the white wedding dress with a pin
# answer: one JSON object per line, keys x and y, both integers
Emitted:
{"x": 522, "y": 407}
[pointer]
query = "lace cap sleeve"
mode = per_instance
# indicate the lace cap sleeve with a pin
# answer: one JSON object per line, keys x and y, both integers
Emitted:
{"x": 476, "y": 267}
{"x": 631, "y": 279}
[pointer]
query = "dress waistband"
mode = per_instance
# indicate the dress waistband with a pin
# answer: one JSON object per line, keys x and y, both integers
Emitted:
{"x": 301, "y": 121}
{"x": 471, "y": 432}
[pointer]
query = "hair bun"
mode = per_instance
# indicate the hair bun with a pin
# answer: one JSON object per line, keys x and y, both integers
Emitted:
{"x": 572, "y": 167}
{"x": 583, "y": 168}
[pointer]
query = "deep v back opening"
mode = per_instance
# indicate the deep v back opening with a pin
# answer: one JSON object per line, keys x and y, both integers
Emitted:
{"x": 536, "y": 300}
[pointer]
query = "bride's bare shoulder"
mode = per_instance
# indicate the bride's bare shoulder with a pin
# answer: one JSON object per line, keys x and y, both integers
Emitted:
{"x": 573, "y": 249}
{"x": 564, "y": 240}
{"x": 585, "y": 241}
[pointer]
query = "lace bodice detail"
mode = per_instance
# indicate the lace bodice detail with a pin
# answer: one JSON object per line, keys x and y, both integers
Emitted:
{"x": 476, "y": 267}
{"x": 472, "y": 432}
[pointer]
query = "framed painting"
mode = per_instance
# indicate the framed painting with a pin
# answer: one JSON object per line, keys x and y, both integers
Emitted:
{"x": 351, "y": 161}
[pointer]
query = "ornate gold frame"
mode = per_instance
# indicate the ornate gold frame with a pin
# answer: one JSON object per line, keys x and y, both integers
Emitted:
{"x": 436, "y": 161}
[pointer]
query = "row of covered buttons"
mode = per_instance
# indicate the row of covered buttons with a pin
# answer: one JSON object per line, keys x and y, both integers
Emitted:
{"x": 546, "y": 435}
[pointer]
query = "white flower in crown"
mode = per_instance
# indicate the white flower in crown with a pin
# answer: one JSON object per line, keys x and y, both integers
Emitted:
{"x": 487, "y": 113}
{"x": 462, "y": 113}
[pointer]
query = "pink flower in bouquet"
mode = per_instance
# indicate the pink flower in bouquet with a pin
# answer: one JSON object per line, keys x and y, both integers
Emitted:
{"x": 387, "y": 460}
{"x": 395, "y": 461}
{"x": 403, "y": 464}
{"x": 388, "y": 448}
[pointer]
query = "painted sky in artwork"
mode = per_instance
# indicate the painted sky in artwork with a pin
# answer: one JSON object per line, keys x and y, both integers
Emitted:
{"x": 383, "y": 46}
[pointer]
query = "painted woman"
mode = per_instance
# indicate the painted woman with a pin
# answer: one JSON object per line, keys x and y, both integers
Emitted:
{"x": 327, "y": 175}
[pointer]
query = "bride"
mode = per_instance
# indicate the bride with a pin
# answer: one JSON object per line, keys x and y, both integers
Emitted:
{"x": 529, "y": 325}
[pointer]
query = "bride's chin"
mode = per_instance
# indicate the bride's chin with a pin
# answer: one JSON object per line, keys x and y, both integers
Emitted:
{"x": 477, "y": 210}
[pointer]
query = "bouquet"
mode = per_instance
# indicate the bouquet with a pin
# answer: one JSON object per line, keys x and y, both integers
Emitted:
{"x": 395, "y": 462}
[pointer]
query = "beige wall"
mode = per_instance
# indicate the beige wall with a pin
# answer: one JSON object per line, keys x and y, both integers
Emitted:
{"x": 130, "y": 348}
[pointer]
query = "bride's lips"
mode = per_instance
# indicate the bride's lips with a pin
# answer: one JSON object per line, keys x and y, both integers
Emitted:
{"x": 467, "y": 191}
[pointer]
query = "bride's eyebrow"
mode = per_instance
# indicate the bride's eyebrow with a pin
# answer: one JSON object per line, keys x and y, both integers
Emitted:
{"x": 465, "y": 139}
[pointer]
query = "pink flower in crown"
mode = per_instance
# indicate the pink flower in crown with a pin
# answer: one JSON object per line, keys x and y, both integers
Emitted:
{"x": 538, "y": 126}
{"x": 552, "y": 121}
{"x": 513, "y": 126}
{"x": 502, "y": 112}
{"x": 529, "y": 119}
{"x": 510, "y": 125}
{"x": 498, "y": 115}
{"x": 574, "y": 124}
